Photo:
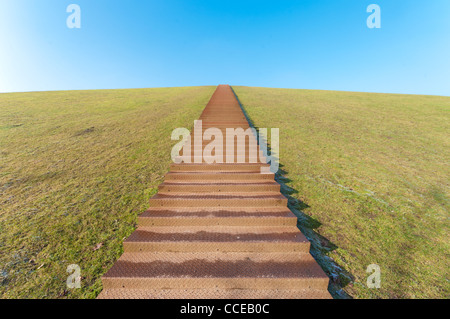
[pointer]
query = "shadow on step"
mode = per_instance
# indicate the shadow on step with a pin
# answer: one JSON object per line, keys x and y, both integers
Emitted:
{"x": 320, "y": 246}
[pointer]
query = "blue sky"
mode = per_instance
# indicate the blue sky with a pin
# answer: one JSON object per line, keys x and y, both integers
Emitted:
{"x": 309, "y": 44}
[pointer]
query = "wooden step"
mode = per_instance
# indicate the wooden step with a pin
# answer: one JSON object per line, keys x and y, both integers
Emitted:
{"x": 217, "y": 238}
{"x": 227, "y": 188}
{"x": 218, "y": 176}
{"x": 226, "y": 200}
{"x": 271, "y": 216}
{"x": 255, "y": 168}
{"x": 216, "y": 270}
{"x": 219, "y": 160}
{"x": 214, "y": 293}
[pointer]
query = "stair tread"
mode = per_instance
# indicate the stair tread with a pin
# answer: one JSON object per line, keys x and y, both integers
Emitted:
{"x": 237, "y": 234}
{"x": 214, "y": 294}
{"x": 251, "y": 183}
{"x": 220, "y": 194}
{"x": 267, "y": 195}
{"x": 216, "y": 265}
{"x": 218, "y": 165}
{"x": 222, "y": 182}
{"x": 213, "y": 214}
{"x": 220, "y": 209}
{"x": 218, "y": 176}
{"x": 217, "y": 173}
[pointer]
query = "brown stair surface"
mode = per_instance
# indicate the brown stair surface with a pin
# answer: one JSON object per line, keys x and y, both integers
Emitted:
{"x": 217, "y": 230}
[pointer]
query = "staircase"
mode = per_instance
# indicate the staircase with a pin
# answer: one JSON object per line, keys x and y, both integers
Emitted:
{"x": 217, "y": 231}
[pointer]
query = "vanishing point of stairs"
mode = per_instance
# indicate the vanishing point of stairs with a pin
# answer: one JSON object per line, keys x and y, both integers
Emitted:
{"x": 217, "y": 231}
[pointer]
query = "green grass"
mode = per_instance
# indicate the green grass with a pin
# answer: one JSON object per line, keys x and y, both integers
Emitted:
{"x": 76, "y": 168}
{"x": 370, "y": 173}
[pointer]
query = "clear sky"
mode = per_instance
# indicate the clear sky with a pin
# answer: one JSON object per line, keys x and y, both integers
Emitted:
{"x": 310, "y": 44}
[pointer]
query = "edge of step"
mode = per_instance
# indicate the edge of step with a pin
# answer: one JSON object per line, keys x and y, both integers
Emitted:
{"x": 238, "y": 217}
{"x": 162, "y": 270}
{"x": 217, "y": 238}
{"x": 213, "y": 294}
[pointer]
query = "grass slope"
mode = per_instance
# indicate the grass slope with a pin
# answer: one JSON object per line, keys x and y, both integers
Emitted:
{"x": 370, "y": 173}
{"x": 76, "y": 169}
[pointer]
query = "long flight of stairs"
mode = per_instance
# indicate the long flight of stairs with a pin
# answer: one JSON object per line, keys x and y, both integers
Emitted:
{"x": 217, "y": 231}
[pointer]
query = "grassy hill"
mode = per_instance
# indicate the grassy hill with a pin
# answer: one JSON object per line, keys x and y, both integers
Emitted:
{"x": 366, "y": 173}
{"x": 76, "y": 168}
{"x": 370, "y": 173}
